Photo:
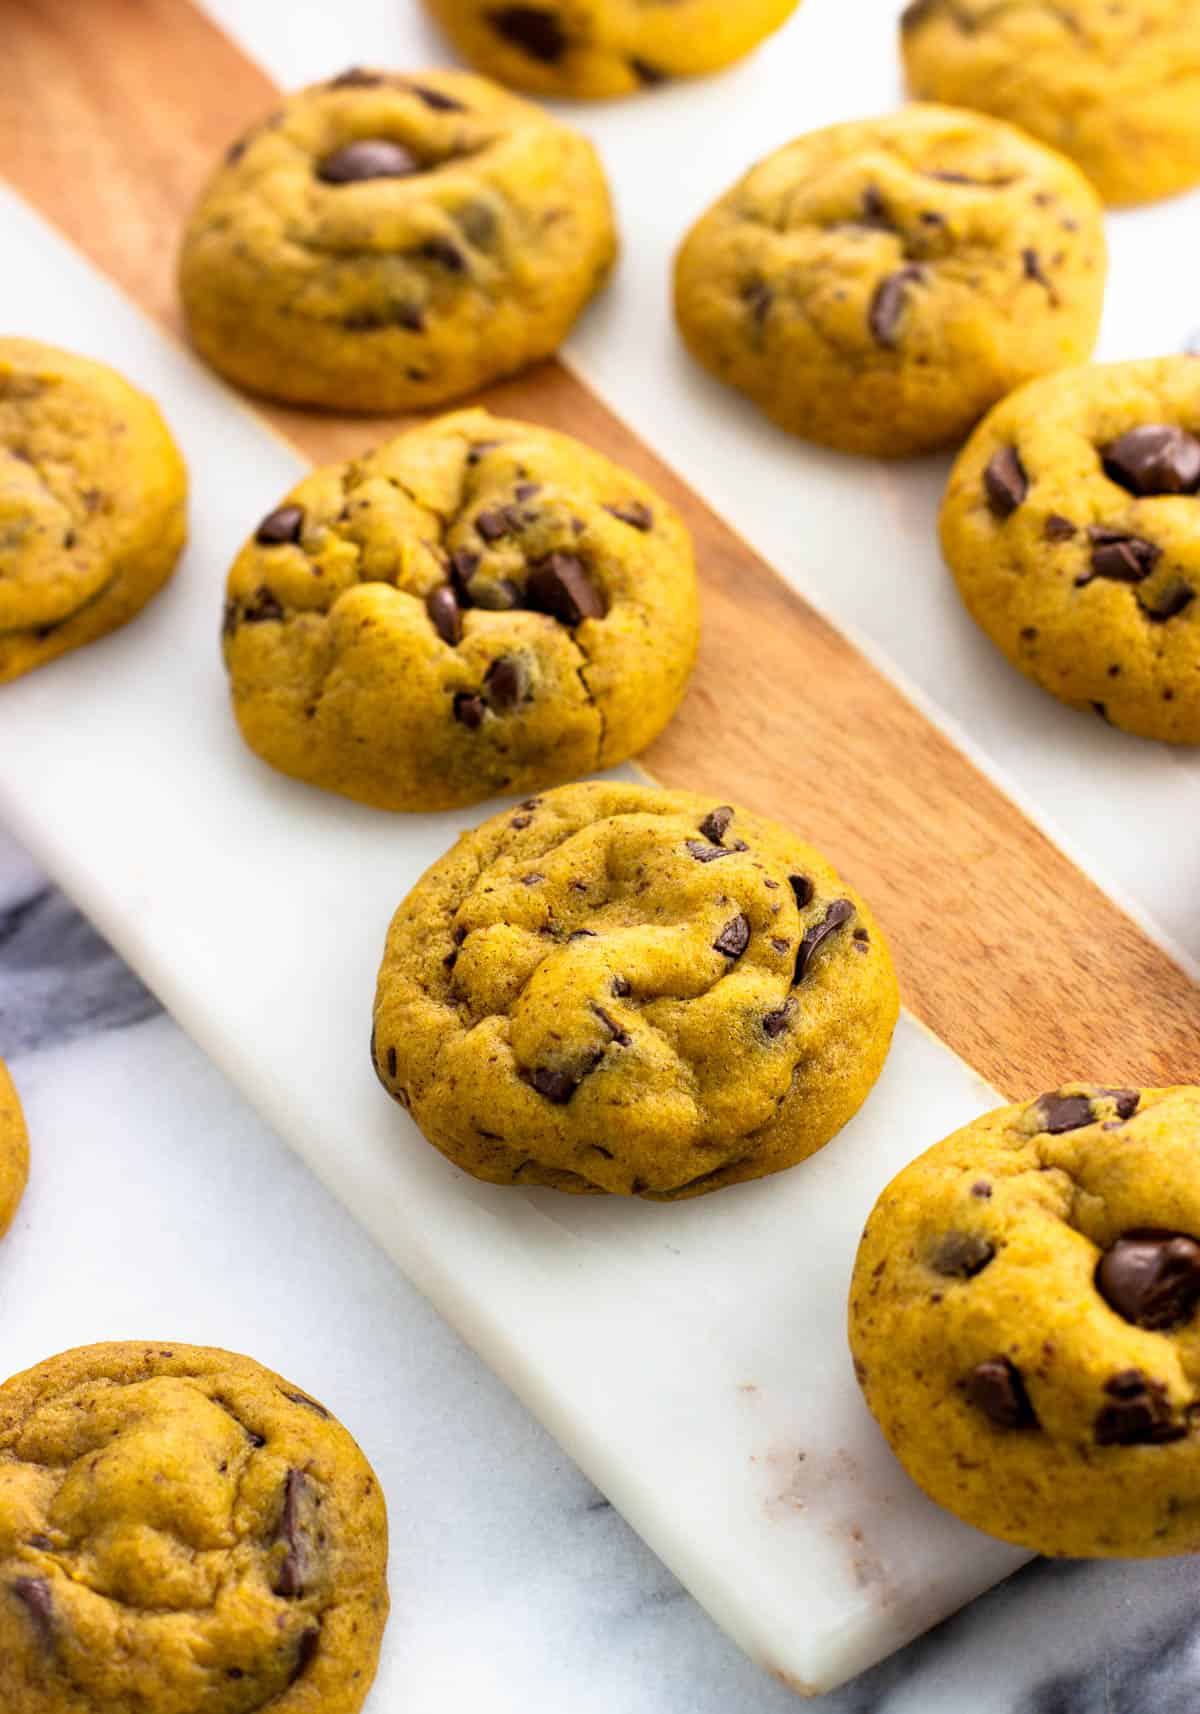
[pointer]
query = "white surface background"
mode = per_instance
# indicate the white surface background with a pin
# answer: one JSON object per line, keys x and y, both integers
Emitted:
{"x": 513, "y": 1588}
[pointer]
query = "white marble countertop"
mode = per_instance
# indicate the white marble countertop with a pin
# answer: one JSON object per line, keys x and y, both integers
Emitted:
{"x": 514, "y": 1584}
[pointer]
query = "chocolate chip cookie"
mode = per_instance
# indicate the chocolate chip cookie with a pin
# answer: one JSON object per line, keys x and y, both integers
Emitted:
{"x": 478, "y": 606}
{"x": 596, "y": 48}
{"x": 615, "y": 988}
{"x": 180, "y": 1529}
{"x": 385, "y": 242}
{"x": 1022, "y": 1316}
{"x": 1115, "y": 84}
{"x": 93, "y": 503}
{"x": 1072, "y": 526}
{"x": 877, "y": 285}
{"x": 14, "y": 1151}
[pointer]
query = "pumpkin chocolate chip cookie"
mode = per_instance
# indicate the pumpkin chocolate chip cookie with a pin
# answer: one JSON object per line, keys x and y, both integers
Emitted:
{"x": 479, "y": 606}
{"x": 1072, "y": 526}
{"x": 180, "y": 1529}
{"x": 386, "y": 243}
{"x": 14, "y": 1151}
{"x": 615, "y": 988}
{"x": 876, "y": 286}
{"x": 93, "y": 503}
{"x": 597, "y": 48}
{"x": 1023, "y": 1321}
{"x": 1115, "y": 84}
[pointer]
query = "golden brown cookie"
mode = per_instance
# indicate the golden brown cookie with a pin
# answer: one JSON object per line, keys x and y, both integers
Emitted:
{"x": 182, "y": 1530}
{"x": 386, "y": 243}
{"x": 14, "y": 1151}
{"x": 596, "y": 48}
{"x": 1072, "y": 525}
{"x": 1115, "y": 84}
{"x": 878, "y": 284}
{"x": 93, "y": 503}
{"x": 1023, "y": 1321}
{"x": 616, "y": 988}
{"x": 479, "y": 606}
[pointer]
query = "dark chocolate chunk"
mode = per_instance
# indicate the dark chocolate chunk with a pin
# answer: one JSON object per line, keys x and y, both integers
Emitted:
{"x": 504, "y": 682}
{"x": 556, "y": 1086}
{"x": 1058, "y": 529}
{"x": 290, "y": 1581}
{"x": 1058, "y": 1113}
{"x": 368, "y": 158}
{"x": 1122, "y": 558}
{"x": 282, "y": 525}
{"x": 633, "y": 513}
{"x": 716, "y": 823}
{"x": 303, "y": 1398}
{"x": 803, "y": 889}
{"x": 961, "y": 1255}
{"x": 1154, "y": 459}
{"x": 1126, "y": 1099}
{"x": 560, "y": 586}
{"x": 35, "y": 1596}
{"x": 775, "y": 1023}
{"x": 1138, "y": 1413}
{"x": 734, "y": 938}
{"x": 620, "y": 1036}
{"x": 469, "y": 709}
{"x": 996, "y": 1388}
{"x": 839, "y": 912}
{"x": 1005, "y": 482}
{"x": 1168, "y": 603}
{"x": 445, "y": 613}
{"x": 1151, "y": 1277}
{"x": 533, "y": 30}
{"x": 887, "y": 305}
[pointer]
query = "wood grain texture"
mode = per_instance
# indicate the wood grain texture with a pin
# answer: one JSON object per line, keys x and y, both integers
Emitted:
{"x": 112, "y": 114}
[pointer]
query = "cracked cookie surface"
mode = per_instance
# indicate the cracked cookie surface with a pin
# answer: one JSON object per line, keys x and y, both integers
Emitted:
{"x": 386, "y": 242}
{"x": 14, "y": 1151}
{"x": 478, "y": 606}
{"x": 618, "y": 989}
{"x": 597, "y": 48}
{"x": 181, "y": 1529}
{"x": 93, "y": 503}
{"x": 1072, "y": 526}
{"x": 1115, "y": 84}
{"x": 1022, "y": 1318}
{"x": 877, "y": 285}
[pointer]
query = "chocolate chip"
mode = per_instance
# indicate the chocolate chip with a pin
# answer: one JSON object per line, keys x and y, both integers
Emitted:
{"x": 356, "y": 77}
{"x": 706, "y": 853}
{"x": 1126, "y": 1100}
{"x": 1169, "y": 603}
{"x": 621, "y": 987}
{"x": 556, "y": 1086}
{"x": 633, "y": 513}
{"x": 803, "y": 889}
{"x": 734, "y": 938}
{"x": 961, "y": 1255}
{"x": 445, "y": 613}
{"x": 290, "y": 1581}
{"x": 261, "y": 607}
{"x": 535, "y": 32}
{"x": 1058, "y": 1113}
{"x": 620, "y": 1036}
{"x": 716, "y": 823}
{"x": 561, "y": 587}
{"x": 34, "y": 1594}
{"x": 282, "y": 525}
{"x": 758, "y": 298}
{"x": 435, "y": 99}
{"x": 582, "y": 934}
{"x": 303, "y": 1398}
{"x": 447, "y": 255}
{"x": 469, "y": 709}
{"x": 1154, "y": 459}
{"x": 1122, "y": 558}
{"x": 1058, "y": 529}
{"x": 1005, "y": 482}
{"x": 505, "y": 683}
{"x": 916, "y": 13}
{"x": 996, "y": 1388}
{"x": 645, "y": 72}
{"x": 839, "y": 912}
{"x": 873, "y": 206}
{"x": 391, "y": 1058}
{"x": 370, "y": 320}
{"x": 1151, "y": 1278}
{"x": 1032, "y": 264}
{"x": 1139, "y": 1414}
{"x": 493, "y": 524}
{"x": 887, "y": 305}
{"x": 775, "y": 1023}
{"x": 463, "y": 566}
{"x": 368, "y": 158}
{"x": 981, "y": 1187}
{"x": 527, "y": 490}
{"x": 306, "y": 1651}
{"x": 532, "y": 879}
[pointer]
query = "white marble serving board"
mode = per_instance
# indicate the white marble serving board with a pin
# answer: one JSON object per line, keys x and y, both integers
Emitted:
{"x": 692, "y": 1359}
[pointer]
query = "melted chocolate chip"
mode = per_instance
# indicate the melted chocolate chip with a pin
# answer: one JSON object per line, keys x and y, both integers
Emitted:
{"x": 34, "y": 1595}
{"x": 505, "y": 683}
{"x": 1005, "y": 482}
{"x": 560, "y": 586}
{"x": 1059, "y": 529}
{"x": 368, "y": 158}
{"x": 887, "y": 305}
{"x": 775, "y": 1023}
{"x": 534, "y": 31}
{"x": 290, "y": 1581}
{"x": 1121, "y": 558}
{"x": 633, "y": 513}
{"x": 1058, "y": 1113}
{"x": 555, "y": 1086}
{"x": 1154, "y": 459}
{"x": 469, "y": 709}
{"x": 1151, "y": 1278}
{"x": 716, "y": 823}
{"x": 839, "y": 912}
{"x": 996, "y": 1388}
{"x": 961, "y": 1255}
{"x": 1138, "y": 1413}
{"x": 445, "y": 613}
{"x": 282, "y": 525}
{"x": 734, "y": 938}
